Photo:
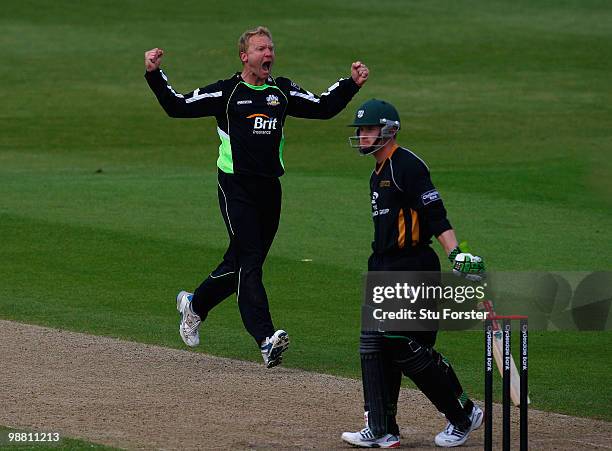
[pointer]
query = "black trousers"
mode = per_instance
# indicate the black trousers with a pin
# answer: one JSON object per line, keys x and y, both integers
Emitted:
{"x": 437, "y": 379}
{"x": 250, "y": 207}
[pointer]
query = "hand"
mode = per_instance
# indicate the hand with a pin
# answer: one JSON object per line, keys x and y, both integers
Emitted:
{"x": 153, "y": 59}
{"x": 469, "y": 266}
{"x": 359, "y": 73}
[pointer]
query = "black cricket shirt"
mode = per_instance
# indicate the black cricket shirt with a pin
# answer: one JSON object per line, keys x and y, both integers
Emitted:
{"x": 250, "y": 118}
{"x": 407, "y": 209}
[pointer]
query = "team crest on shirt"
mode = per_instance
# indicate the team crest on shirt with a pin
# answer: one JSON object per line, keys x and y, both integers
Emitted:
{"x": 384, "y": 183}
{"x": 272, "y": 100}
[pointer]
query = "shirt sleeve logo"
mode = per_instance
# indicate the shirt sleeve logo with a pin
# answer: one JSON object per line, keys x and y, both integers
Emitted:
{"x": 430, "y": 196}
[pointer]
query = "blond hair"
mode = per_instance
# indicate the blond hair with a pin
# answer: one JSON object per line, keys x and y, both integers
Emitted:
{"x": 243, "y": 42}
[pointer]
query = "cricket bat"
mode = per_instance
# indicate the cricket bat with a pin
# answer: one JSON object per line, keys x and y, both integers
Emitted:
{"x": 498, "y": 354}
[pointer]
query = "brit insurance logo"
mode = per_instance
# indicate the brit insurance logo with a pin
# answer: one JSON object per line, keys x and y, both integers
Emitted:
{"x": 263, "y": 124}
{"x": 272, "y": 100}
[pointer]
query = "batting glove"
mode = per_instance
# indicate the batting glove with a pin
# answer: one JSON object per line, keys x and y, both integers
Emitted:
{"x": 468, "y": 266}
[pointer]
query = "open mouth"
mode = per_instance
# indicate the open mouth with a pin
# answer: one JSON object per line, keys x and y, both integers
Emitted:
{"x": 267, "y": 66}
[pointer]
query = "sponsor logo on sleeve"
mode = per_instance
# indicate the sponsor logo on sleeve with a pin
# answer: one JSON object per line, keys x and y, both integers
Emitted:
{"x": 430, "y": 196}
{"x": 244, "y": 102}
{"x": 384, "y": 183}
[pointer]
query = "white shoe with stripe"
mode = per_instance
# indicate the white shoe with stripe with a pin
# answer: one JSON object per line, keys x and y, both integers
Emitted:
{"x": 365, "y": 439}
{"x": 272, "y": 348}
{"x": 452, "y": 436}
{"x": 190, "y": 321}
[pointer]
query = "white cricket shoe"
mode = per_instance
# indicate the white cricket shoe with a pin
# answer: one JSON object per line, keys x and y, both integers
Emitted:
{"x": 272, "y": 348}
{"x": 365, "y": 439}
{"x": 452, "y": 436}
{"x": 190, "y": 321}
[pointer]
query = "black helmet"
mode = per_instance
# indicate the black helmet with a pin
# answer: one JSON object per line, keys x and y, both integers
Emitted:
{"x": 375, "y": 112}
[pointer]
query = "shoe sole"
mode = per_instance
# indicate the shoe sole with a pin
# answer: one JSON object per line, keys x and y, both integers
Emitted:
{"x": 180, "y": 306}
{"x": 281, "y": 345}
{"x": 370, "y": 445}
{"x": 185, "y": 339}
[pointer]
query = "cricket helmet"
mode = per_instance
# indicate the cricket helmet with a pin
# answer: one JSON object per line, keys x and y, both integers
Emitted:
{"x": 375, "y": 112}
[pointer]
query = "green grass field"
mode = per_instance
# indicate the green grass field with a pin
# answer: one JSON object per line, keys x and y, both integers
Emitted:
{"x": 108, "y": 207}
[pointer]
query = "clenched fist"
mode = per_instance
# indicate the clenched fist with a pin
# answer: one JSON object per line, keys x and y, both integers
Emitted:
{"x": 153, "y": 59}
{"x": 359, "y": 73}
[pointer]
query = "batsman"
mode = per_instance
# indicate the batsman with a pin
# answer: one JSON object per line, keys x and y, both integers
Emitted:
{"x": 407, "y": 211}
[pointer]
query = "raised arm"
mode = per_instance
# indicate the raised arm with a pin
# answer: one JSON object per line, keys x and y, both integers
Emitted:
{"x": 303, "y": 103}
{"x": 206, "y": 101}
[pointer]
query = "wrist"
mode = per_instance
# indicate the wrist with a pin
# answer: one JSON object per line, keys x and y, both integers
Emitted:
{"x": 354, "y": 83}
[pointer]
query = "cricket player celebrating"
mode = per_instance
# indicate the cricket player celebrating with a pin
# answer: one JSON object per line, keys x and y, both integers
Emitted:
{"x": 250, "y": 108}
{"x": 407, "y": 211}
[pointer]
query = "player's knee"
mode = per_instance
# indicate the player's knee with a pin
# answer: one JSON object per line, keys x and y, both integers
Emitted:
{"x": 224, "y": 270}
{"x": 251, "y": 263}
{"x": 414, "y": 359}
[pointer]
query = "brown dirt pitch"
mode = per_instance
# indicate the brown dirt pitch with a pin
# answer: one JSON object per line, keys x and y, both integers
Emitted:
{"x": 138, "y": 396}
